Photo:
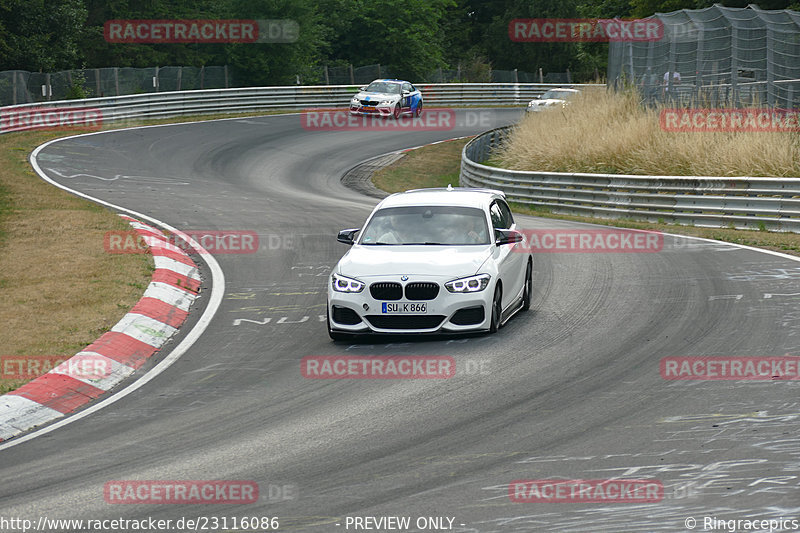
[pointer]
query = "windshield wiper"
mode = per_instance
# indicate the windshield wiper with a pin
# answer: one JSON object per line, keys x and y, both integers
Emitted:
{"x": 423, "y": 243}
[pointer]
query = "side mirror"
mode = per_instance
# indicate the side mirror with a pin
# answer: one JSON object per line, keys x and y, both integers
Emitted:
{"x": 347, "y": 236}
{"x": 507, "y": 236}
{"x": 406, "y": 93}
{"x": 364, "y": 88}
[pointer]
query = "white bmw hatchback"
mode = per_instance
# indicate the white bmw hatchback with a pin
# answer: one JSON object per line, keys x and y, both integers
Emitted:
{"x": 431, "y": 261}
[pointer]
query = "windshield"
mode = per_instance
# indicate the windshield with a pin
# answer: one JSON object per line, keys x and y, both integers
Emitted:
{"x": 383, "y": 87}
{"x": 431, "y": 225}
{"x": 556, "y": 94}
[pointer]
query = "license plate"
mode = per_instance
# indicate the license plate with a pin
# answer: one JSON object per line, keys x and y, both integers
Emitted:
{"x": 404, "y": 308}
{"x": 368, "y": 108}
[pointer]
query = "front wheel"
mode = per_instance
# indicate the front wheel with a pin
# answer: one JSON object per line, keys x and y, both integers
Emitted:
{"x": 497, "y": 310}
{"x": 528, "y": 290}
{"x": 397, "y": 111}
{"x": 418, "y": 111}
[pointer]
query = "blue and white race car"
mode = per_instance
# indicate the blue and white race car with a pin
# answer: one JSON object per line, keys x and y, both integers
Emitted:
{"x": 387, "y": 98}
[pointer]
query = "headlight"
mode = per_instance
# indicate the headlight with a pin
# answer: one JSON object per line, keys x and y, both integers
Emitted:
{"x": 343, "y": 284}
{"x": 470, "y": 284}
{"x": 387, "y": 102}
{"x": 354, "y": 100}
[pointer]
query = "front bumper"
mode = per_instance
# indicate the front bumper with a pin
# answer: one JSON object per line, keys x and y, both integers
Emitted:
{"x": 538, "y": 108}
{"x": 446, "y": 313}
{"x": 384, "y": 110}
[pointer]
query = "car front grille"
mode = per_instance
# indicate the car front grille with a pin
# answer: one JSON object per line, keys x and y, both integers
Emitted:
{"x": 386, "y": 290}
{"x": 422, "y": 290}
{"x": 405, "y": 321}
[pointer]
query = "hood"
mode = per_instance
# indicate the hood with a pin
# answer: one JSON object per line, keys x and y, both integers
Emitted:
{"x": 547, "y": 102}
{"x": 381, "y": 261}
{"x": 378, "y": 97}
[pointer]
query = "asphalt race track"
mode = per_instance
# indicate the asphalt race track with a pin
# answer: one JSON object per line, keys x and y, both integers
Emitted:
{"x": 569, "y": 390}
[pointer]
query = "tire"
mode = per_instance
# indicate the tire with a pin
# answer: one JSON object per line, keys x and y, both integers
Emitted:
{"x": 397, "y": 111}
{"x": 497, "y": 310}
{"x": 418, "y": 111}
{"x": 528, "y": 290}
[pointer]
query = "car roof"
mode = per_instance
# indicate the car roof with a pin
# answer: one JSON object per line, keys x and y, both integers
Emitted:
{"x": 453, "y": 196}
{"x": 389, "y": 80}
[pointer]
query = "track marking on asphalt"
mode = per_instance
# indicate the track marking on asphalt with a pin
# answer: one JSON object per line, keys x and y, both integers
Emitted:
{"x": 726, "y": 297}
{"x": 214, "y": 301}
{"x": 281, "y": 320}
{"x": 149, "y": 179}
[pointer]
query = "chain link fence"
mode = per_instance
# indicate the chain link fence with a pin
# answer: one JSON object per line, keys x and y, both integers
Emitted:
{"x": 22, "y": 87}
{"x": 349, "y": 75}
{"x": 715, "y": 57}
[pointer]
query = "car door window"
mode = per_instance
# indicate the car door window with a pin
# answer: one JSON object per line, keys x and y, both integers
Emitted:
{"x": 508, "y": 218}
{"x": 407, "y": 87}
{"x": 497, "y": 216}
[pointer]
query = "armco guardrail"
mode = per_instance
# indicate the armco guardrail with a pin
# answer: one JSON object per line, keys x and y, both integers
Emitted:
{"x": 754, "y": 203}
{"x": 215, "y": 101}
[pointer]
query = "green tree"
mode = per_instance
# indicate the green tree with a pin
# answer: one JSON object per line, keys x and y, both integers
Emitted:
{"x": 279, "y": 63}
{"x": 100, "y": 53}
{"x": 490, "y": 22}
{"x": 40, "y": 35}
{"x": 406, "y": 35}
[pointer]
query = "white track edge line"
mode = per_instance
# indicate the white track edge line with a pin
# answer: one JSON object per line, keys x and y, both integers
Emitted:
{"x": 217, "y": 292}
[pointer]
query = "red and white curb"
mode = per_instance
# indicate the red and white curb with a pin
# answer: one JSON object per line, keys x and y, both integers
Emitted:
{"x": 140, "y": 334}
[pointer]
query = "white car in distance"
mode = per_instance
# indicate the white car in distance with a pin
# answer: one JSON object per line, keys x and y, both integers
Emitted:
{"x": 431, "y": 261}
{"x": 551, "y": 98}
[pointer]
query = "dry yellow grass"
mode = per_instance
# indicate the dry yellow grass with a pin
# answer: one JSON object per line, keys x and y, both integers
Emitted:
{"x": 60, "y": 288}
{"x": 610, "y": 132}
{"x": 437, "y": 165}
